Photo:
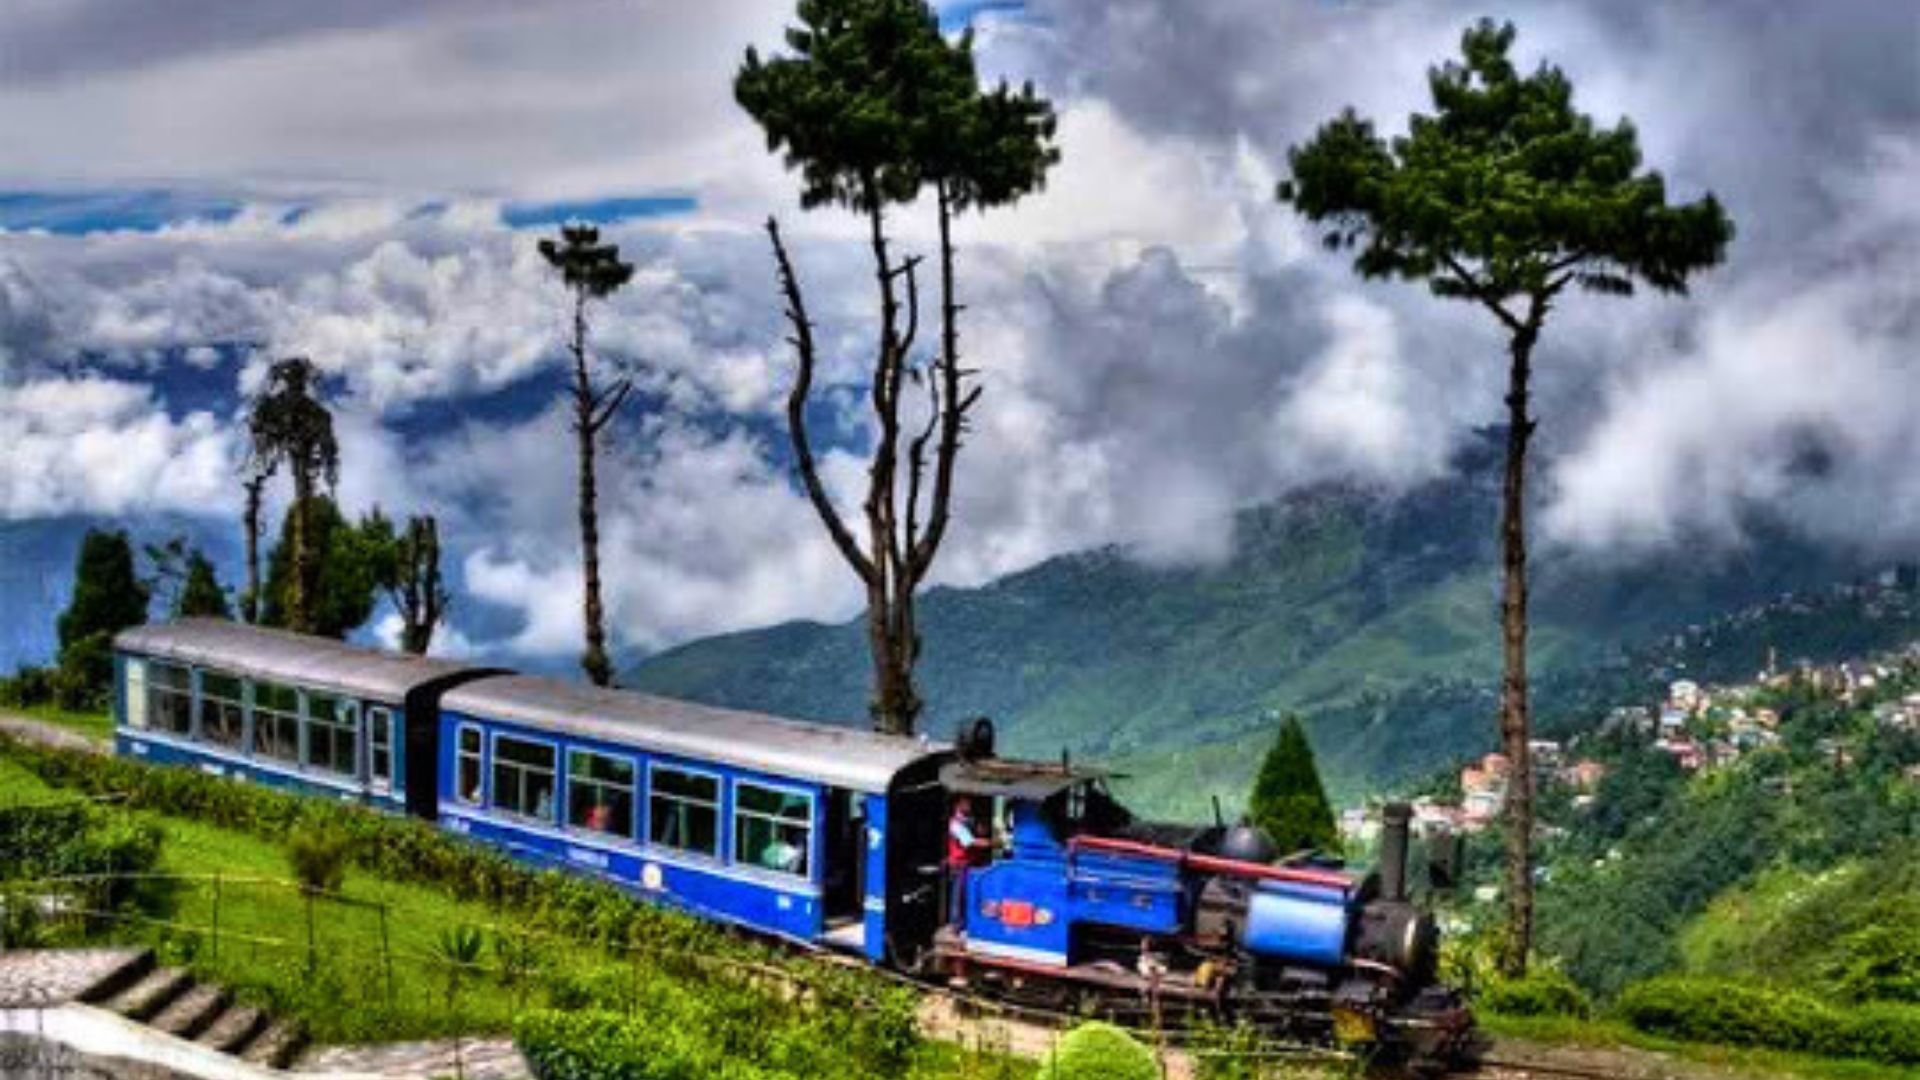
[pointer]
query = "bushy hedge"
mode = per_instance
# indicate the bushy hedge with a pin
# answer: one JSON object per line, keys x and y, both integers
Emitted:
{"x": 400, "y": 848}
{"x": 732, "y": 1032}
{"x": 1099, "y": 1051}
{"x": 387, "y": 845}
{"x": 1745, "y": 1015}
{"x": 74, "y": 839}
{"x": 1541, "y": 992}
{"x": 103, "y": 852}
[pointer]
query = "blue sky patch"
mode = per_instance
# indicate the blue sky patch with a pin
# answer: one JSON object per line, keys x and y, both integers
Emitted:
{"x": 77, "y": 213}
{"x": 597, "y": 211}
{"x": 958, "y": 16}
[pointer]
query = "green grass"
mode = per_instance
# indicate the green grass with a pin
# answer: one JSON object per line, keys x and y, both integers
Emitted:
{"x": 1748, "y": 1063}
{"x": 262, "y": 951}
{"x": 94, "y": 725}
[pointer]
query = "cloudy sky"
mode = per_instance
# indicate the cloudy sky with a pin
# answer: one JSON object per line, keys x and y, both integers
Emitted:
{"x": 194, "y": 188}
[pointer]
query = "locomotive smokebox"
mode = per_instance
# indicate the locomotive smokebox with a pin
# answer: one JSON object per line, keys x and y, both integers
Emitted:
{"x": 1394, "y": 821}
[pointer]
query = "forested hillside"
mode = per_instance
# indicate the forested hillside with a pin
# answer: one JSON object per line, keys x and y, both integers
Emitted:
{"x": 1792, "y": 865}
{"x": 1372, "y": 615}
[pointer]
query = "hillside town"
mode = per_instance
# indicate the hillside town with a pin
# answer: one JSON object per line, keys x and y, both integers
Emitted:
{"x": 1703, "y": 727}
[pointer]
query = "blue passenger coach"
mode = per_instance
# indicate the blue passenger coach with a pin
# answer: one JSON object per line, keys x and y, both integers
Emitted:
{"x": 282, "y": 709}
{"x": 778, "y": 825}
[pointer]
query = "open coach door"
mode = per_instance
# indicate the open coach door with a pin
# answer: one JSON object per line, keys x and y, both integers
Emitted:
{"x": 915, "y": 843}
{"x": 420, "y": 727}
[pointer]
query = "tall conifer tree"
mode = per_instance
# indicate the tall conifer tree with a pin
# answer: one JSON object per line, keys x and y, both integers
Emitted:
{"x": 1289, "y": 802}
{"x": 873, "y": 105}
{"x": 1505, "y": 196}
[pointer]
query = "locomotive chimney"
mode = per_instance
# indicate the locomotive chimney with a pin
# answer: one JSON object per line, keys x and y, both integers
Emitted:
{"x": 1394, "y": 818}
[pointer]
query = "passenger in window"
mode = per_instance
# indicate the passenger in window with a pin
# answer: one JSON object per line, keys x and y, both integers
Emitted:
{"x": 543, "y": 807}
{"x": 782, "y": 856}
{"x": 600, "y": 817}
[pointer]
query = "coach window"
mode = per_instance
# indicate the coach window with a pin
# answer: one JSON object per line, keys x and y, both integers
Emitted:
{"x": 523, "y": 777}
{"x": 772, "y": 828}
{"x": 223, "y": 710}
{"x": 136, "y": 693}
{"x": 276, "y": 722}
{"x": 380, "y": 748}
{"x": 333, "y": 734}
{"x": 468, "y": 774}
{"x": 170, "y": 699}
{"x": 683, "y": 810}
{"x": 600, "y": 792}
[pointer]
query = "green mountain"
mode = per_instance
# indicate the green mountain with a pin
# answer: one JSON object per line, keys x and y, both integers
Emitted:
{"x": 1373, "y": 616}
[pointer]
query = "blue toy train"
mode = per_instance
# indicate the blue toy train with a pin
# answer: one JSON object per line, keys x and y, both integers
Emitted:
{"x": 830, "y": 837}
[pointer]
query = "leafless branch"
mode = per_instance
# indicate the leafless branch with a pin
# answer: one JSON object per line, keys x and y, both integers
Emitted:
{"x": 803, "y": 347}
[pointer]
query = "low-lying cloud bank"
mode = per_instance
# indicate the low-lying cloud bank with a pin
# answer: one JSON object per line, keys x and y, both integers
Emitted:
{"x": 1161, "y": 343}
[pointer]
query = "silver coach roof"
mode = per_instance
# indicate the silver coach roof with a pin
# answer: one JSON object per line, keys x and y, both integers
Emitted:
{"x": 833, "y": 756}
{"x": 287, "y": 657}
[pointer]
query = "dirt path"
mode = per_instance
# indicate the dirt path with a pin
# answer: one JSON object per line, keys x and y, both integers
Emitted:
{"x": 26, "y": 727}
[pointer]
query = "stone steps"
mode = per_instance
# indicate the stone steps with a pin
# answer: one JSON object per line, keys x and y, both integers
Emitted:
{"x": 172, "y": 1001}
{"x": 276, "y": 1046}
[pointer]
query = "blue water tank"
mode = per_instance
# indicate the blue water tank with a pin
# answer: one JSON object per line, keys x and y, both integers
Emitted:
{"x": 1299, "y": 922}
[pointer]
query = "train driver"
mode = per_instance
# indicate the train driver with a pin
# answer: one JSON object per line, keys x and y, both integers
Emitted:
{"x": 962, "y": 848}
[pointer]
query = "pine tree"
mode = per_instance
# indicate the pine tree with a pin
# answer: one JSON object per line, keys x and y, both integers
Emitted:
{"x": 873, "y": 104}
{"x": 108, "y": 597}
{"x": 1505, "y": 196}
{"x": 590, "y": 270}
{"x": 349, "y": 559}
{"x": 184, "y": 581}
{"x": 1288, "y": 800}
{"x": 290, "y": 426}
{"x": 409, "y": 573}
{"x": 202, "y": 596}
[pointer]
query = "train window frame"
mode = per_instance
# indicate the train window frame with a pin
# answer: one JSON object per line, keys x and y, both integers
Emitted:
{"x": 631, "y": 788}
{"x": 380, "y": 730}
{"x": 742, "y": 818}
{"x": 477, "y": 795}
{"x": 328, "y": 730}
{"x": 234, "y": 707}
{"x": 160, "y": 689}
{"x": 133, "y": 702}
{"x": 552, "y": 772}
{"x": 654, "y": 817}
{"x": 269, "y": 716}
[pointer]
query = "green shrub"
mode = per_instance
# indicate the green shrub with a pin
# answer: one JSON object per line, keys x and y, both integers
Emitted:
{"x": 30, "y": 686}
{"x": 678, "y": 1032}
{"x": 1227, "y": 1053}
{"x": 1745, "y": 1015}
{"x": 318, "y": 855}
{"x": 1099, "y": 1051}
{"x": 1541, "y": 992}
{"x": 1878, "y": 963}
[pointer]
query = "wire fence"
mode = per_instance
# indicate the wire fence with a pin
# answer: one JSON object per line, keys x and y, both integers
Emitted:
{"x": 283, "y": 939}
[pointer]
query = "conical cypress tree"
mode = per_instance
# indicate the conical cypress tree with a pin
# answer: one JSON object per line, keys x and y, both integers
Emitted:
{"x": 1288, "y": 801}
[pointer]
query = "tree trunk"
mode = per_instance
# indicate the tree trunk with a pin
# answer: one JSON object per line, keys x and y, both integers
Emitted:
{"x": 250, "y": 603}
{"x": 598, "y": 667}
{"x": 1516, "y": 726}
{"x": 300, "y": 605}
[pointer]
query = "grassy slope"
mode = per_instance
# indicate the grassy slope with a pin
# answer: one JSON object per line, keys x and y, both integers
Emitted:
{"x": 348, "y": 1002}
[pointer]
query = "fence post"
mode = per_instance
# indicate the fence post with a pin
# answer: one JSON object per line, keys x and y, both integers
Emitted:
{"x": 312, "y": 956}
{"x": 216, "y": 914}
{"x": 386, "y": 954}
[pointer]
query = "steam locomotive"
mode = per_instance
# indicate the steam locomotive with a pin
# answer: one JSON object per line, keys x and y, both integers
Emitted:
{"x": 829, "y": 837}
{"x": 1084, "y": 901}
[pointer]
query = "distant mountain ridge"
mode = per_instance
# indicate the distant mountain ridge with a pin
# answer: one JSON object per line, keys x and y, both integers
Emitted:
{"x": 1353, "y": 607}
